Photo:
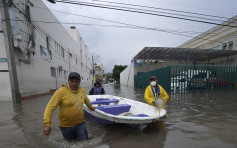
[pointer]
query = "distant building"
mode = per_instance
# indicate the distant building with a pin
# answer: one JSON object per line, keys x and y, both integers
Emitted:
{"x": 45, "y": 53}
{"x": 99, "y": 72}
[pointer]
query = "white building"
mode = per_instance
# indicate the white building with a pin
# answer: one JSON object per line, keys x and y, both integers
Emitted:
{"x": 45, "y": 53}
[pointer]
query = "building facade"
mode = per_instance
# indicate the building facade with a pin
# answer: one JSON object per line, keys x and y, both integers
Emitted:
{"x": 221, "y": 37}
{"x": 45, "y": 53}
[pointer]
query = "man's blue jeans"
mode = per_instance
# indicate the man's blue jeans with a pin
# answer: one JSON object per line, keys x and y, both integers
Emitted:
{"x": 77, "y": 132}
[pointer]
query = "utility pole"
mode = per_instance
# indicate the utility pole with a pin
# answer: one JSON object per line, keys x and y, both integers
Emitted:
{"x": 93, "y": 70}
{"x": 10, "y": 53}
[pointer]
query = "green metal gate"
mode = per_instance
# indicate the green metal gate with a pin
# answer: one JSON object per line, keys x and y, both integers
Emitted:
{"x": 141, "y": 80}
{"x": 190, "y": 78}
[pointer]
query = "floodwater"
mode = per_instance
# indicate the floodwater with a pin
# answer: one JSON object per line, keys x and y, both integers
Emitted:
{"x": 195, "y": 120}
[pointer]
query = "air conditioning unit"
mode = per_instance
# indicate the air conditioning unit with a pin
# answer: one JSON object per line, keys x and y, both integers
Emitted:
{"x": 60, "y": 68}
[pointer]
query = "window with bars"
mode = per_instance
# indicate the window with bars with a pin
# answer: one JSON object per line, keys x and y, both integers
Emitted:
{"x": 224, "y": 46}
{"x": 53, "y": 71}
{"x": 230, "y": 45}
{"x": 47, "y": 42}
{"x": 45, "y": 53}
{"x": 62, "y": 52}
{"x": 216, "y": 47}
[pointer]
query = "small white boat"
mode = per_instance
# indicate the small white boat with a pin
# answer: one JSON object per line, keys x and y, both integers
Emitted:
{"x": 114, "y": 109}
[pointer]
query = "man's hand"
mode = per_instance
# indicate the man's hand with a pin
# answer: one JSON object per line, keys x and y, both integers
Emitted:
{"x": 47, "y": 130}
{"x": 93, "y": 108}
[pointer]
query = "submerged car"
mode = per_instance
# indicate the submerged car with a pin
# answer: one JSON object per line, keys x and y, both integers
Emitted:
{"x": 199, "y": 79}
{"x": 197, "y": 82}
{"x": 219, "y": 82}
{"x": 178, "y": 84}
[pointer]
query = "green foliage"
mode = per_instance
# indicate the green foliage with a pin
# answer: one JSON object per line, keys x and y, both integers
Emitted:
{"x": 108, "y": 75}
{"x": 117, "y": 70}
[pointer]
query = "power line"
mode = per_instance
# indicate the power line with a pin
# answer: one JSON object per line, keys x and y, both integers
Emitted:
{"x": 145, "y": 28}
{"x": 155, "y": 29}
{"x": 180, "y": 31}
{"x": 137, "y": 11}
{"x": 162, "y": 9}
{"x": 116, "y": 26}
{"x": 196, "y": 7}
{"x": 148, "y": 28}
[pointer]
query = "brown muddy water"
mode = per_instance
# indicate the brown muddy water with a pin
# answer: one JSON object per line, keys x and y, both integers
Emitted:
{"x": 199, "y": 120}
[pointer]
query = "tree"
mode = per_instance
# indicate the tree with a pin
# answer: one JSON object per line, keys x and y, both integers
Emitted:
{"x": 117, "y": 70}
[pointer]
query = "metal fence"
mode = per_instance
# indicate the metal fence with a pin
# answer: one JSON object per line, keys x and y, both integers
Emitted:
{"x": 191, "y": 78}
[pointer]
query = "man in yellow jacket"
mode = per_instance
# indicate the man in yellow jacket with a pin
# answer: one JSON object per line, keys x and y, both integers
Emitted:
{"x": 155, "y": 91}
{"x": 70, "y": 99}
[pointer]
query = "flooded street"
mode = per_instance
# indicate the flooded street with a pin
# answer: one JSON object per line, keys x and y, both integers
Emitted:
{"x": 194, "y": 120}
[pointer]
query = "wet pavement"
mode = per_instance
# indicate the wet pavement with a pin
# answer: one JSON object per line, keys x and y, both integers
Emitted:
{"x": 195, "y": 120}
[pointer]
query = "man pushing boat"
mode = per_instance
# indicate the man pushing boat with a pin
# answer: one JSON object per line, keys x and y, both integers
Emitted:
{"x": 70, "y": 99}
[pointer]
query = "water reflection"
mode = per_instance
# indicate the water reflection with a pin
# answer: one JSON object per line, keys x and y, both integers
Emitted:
{"x": 194, "y": 120}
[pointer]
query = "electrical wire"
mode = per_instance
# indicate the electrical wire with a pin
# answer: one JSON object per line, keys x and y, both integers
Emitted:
{"x": 169, "y": 32}
{"x": 162, "y": 9}
{"x": 137, "y": 11}
{"x": 132, "y": 26}
{"x": 154, "y": 29}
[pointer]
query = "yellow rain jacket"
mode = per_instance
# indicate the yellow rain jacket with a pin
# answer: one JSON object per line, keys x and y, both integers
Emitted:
{"x": 149, "y": 97}
{"x": 70, "y": 104}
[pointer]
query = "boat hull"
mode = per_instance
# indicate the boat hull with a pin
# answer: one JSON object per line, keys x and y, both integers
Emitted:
{"x": 111, "y": 113}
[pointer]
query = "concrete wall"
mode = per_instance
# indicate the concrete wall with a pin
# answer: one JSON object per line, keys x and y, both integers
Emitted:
{"x": 127, "y": 76}
{"x": 33, "y": 71}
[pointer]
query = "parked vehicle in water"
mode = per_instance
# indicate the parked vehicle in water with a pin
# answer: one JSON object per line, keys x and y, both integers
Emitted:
{"x": 197, "y": 82}
{"x": 219, "y": 82}
{"x": 111, "y": 81}
{"x": 199, "y": 79}
{"x": 182, "y": 75}
{"x": 178, "y": 83}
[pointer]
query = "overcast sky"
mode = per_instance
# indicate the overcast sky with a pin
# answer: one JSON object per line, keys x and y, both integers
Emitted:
{"x": 118, "y": 45}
